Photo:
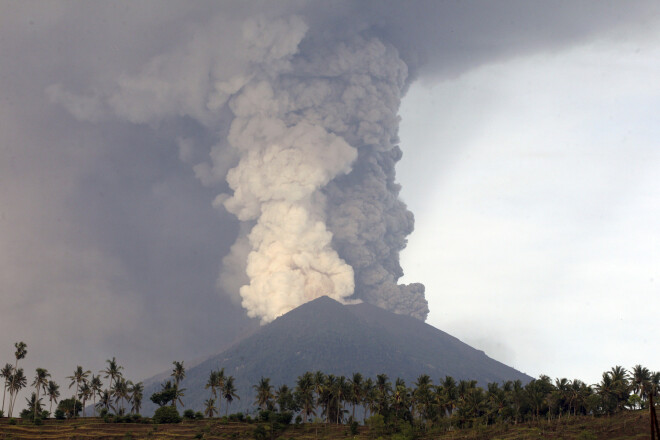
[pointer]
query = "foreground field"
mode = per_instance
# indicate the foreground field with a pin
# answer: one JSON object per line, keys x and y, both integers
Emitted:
{"x": 627, "y": 425}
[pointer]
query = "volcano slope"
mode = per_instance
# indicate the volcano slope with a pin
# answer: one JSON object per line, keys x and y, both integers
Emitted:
{"x": 339, "y": 339}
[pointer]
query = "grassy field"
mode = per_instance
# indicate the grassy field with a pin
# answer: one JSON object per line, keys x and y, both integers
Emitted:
{"x": 628, "y": 425}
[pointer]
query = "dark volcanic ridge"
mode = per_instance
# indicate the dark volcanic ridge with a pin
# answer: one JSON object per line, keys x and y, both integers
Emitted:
{"x": 341, "y": 340}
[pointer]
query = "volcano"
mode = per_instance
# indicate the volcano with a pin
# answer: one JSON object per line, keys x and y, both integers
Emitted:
{"x": 341, "y": 340}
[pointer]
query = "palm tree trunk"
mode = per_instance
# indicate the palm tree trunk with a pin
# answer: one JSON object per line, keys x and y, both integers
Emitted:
{"x": 35, "y": 404}
{"x": 4, "y": 393}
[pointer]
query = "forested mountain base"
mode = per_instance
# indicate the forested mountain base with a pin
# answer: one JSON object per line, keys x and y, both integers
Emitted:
{"x": 624, "y": 425}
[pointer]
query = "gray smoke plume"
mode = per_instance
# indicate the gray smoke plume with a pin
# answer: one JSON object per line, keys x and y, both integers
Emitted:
{"x": 306, "y": 140}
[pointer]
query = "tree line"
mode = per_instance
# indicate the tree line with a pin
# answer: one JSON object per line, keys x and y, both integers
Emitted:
{"x": 317, "y": 396}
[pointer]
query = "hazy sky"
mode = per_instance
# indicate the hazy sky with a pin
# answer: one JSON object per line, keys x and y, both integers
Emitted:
{"x": 536, "y": 188}
{"x": 530, "y": 161}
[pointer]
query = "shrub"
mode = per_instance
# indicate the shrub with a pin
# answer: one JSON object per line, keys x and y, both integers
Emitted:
{"x": 189, "y": 414}
{"x": 12, "y": 421}
{"x": 260, "y": 432}
{"x": 166, "y": 414}
{"x": 38, "y": 421}
{"x": 199, "y": 415}
{"x": 59, "y": 414}
{"x": 354, "y": 427}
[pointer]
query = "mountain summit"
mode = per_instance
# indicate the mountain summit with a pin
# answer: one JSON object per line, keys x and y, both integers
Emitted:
{"x": 341, "y": 340}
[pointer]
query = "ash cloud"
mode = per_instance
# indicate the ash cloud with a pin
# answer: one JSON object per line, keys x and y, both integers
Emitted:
{"x": 306, "y": 140}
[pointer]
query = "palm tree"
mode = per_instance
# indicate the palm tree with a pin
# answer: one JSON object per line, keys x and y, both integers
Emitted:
{"x": 383, "y": 391}
{"x": 53, "y": 392}
{"x": 136, "y": 397}
{"x": 79, "y": 376}
{"x": 213, "y": 383}
{"x": 113, "y": 371}
{"x": 229, "y": 392}
{"x": 318, "y": 380}
{"x": 34, "y": 405}
{"x": 304, "y": 393}
{"x": 20, "y": 353}
{"x": 120, "y": 392}
{"x": 96, "y": 386}
{"x": 284, "y": 398}
{"x": 368, "y": 396}
{"x": 219, "y": 385}
{"x": 422, "y": 395}
{"x": 40, "y": 382}
{"x": 264, "y": 394}
{"x": 357, "y": 391}
{"x": 400, "y": 396}
{"x": 84, "y": 394}
{"x": 209, "y": 408}
{"x": 105, "y": 401}
{"x": 18, "y": 382}
{"x": 6, "y": 373}
{"x": 341, "y": 390}
{"x": 178, "y": 373}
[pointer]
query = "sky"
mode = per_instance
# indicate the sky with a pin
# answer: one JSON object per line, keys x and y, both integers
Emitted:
{"x": 529, "y": 137}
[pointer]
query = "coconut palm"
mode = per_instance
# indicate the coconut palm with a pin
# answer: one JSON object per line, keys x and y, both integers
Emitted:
{"x": 18, "y": 382}
{"x": 84, "y": 394}
{"x": 209, "y": 408}
{"x": 34, "y": 405}
{"x": 304, "y": 394}
{"x": 6, "y": 373}
{"x": 213, "y": 383}
{"x": 78, "y": 377}
{"x": 357, "y": 391}
{"x": 284, "y": 398}
{"x": 229, "y": 392}
{"x": 120, "y": 392}
{"x": 113, "y": 371}
{"x": 400, "y": 396}
{"x": 96, "y": 386}
{"x": 53, "y": 392}
{"x": 264, "y": 394}
{"x": 105, "y": 401}
{"x": 40, "y": 382}
{"x": 179, "y": 372}
{"x": 20, "y": 353}
{"x": 136, "y": 397}
{"x": 220, "y": 384}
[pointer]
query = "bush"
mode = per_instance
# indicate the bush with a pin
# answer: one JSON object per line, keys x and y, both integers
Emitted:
{"x": 59, "y": 414}
{"x": 12, "y": 421}
{"x": 260, "y": 432}
{"x": 166, "y": 414}
{"x": 38, "y": 421}
{"x": 199, "y": 415}
{"x": 189, "y": 414}
{"x": 354, "y": 428}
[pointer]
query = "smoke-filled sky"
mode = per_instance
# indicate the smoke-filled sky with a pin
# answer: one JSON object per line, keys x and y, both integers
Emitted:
{"x": 167, "y": 168}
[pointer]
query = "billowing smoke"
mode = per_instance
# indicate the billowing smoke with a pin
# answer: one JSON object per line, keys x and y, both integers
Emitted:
{"x": 306, "y": 140}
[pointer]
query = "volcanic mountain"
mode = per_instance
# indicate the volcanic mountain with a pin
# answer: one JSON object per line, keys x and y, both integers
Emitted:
{"x": 341, "y": 340}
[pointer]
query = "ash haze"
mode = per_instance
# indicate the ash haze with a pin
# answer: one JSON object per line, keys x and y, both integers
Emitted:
{"x": 172, "y": 174}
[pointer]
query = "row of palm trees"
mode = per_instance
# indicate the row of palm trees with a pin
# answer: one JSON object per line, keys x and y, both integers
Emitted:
{"x": 224, "y": 385}
{"x": 458, "y": 402}
{"x": 118, "y": 392}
